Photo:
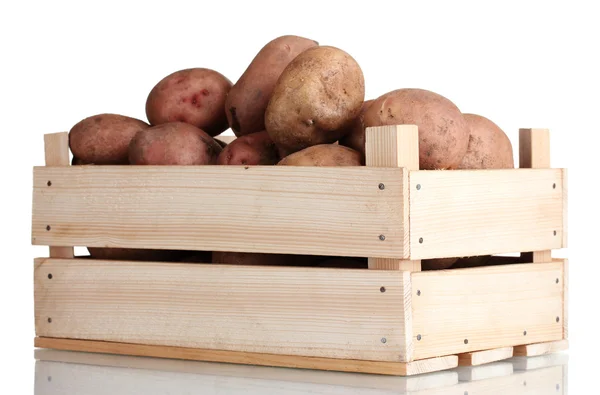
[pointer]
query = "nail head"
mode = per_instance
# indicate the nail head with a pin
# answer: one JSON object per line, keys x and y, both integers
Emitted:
{"x": 48, "y": 228}
{"x": 383, "y": 340}
{"x": 382, "y": 289}
{"x": 49, "y": 183}
{"x": 49, "y": 276}
{"x": 557, "y": 280}
{"x": 554, "y": 233}
{"x": 554, "y": 186}
{"x": 524, "y": 333}
{"x": 381, "y": 237}
{"x": 466, "y": 341}
{"x": 382, "y": 186}
{"x": 420, "y": 240}
{"x": 418, "y": 187}
{"x": 419, "y": 337}
{"x": 557, "y": 319}
{"x": 418, "y": 292}
{"x": 49, "y": 320}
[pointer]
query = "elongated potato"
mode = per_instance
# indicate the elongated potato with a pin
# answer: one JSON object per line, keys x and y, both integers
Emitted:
{"x": 175, "y": 143}
{"x": 355, "y": 137}
{"x": 315, "y": 100}
{"x": 194, "y": 96}
{"x": 489, "y": 147}
{"x": 248, "y": 98}
{"x": 443, "y": 131}
{"x": 252, "y": 149}
{"x": 323, "y": 155}
{"x": 104, "y": 139}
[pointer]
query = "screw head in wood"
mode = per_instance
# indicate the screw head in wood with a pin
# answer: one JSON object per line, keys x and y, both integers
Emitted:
{"x": 382, "y": 289}
{"x": 381, "y": 237}
{"x": 48, "y": 227}
{"x": 382, "y": 186}
{"x": 418, "y": 187}
{"x": 419, "y": 337}
{"x": 466, "y": 341}
{"x": 49, "y": 320}
{"x": 383, "y": 340}
{"x": 49, "y": 276}
{"x": 49, "y": 183}
{"x": 418, "y": 292}
{"x": 420, "y": 240}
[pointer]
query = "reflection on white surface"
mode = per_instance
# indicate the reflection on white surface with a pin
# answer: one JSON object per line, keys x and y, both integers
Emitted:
{"x": 71, "y": 373}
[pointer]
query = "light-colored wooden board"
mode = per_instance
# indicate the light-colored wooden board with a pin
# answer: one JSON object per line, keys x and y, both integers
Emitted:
{"x": 535, "y": 349}
{"x": 318, "y": 312}
{"x": 565, "y": 207}
{"x": 290, "y": 361}
{"x": 478, "y": 212}
{"x": 291, "y": 377}
{"x": 394, "y": 146}
{"x": 539, "y": 362}
{"x": 484, "y": 372}
{"x": 486, "y": 356}
{"x": 285, "y": 209}
{"x": 464, "y": 310}
{"x": 56, "y": 149}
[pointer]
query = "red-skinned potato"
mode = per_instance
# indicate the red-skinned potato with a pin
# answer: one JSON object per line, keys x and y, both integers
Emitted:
{"x": 194, "y": 96}
{"x": 104, "y": 139}
{"x": 174, "y": 143}
{"x": 489, "y": 147}
{"x": 323, "y": 155}
{"x": 315, "y": 100}
{"x": 248, "y": 98}
{"x": 252, "y": 149}
{"x": 443, "y": 131}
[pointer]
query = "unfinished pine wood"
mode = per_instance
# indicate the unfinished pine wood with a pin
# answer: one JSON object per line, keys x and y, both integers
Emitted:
{"x": 534, "y": 153}
{"x": 465, "y": 310}
{"x": 486, "y": 356}
{"x": 319, "y": 312}
{"x": 271, "y": 209}
{"x": 56, "y": 147}
{"x": 565, "y": 191}
{"x": 302, "y": 362}
{"x": 394, "y": 146}
{"x": 532, "y": 350}
{"x": 565, "y": 317}
{"x": 478, "y": 212}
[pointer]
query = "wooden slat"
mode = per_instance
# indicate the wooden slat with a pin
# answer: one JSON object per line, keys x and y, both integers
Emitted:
{"x": 482, "y": 357}
{"x": 394, "y": 146}
{"x": 301, "y": 362}
{"x": 56, "y": 148}
{"x": 565, "y": 317}
{"x": 272, "y": 209}
{"x": 318, "y": 312}
{"x": 534, "y": 153}
{"x": 465, "y": 310}
{"x": 478, "y": 212}
{"x": 532, "y": 350}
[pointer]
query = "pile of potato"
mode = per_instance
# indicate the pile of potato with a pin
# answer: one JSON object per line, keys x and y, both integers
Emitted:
{"x": 297, "y": 104}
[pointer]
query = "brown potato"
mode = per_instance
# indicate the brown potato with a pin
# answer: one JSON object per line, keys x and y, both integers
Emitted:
{"x": 248, "y": 98}
{"x": 194, "y": 96}
{"x": 78, "y": 162}
{"x": 443, "y": 131}
{"x": 103, "y": 139}
{"x": 323, "y": 155}
{"x": 315, "y": 100}
{"x": 489, "y": 147}
{"x": 355, "y": 137}
{"x": 175, "y": 143}
{"x": 221, "y": 143}
{"x": 134, "y": 254}
{"x": 472, "y": 261}
{"x": 252, "y": 149}
{"x": 438, "y": 263}
{"x": 258, "y": 259}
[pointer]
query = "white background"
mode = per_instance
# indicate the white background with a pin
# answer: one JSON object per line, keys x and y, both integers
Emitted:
{"x": 522, "y": 64}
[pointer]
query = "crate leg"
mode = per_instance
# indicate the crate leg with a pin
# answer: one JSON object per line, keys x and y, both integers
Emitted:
{"x": 394, "y": 146}
{"x": 534, "y": 153}
{"x": 534, "y": 350}
{"x": 56, "y": 147}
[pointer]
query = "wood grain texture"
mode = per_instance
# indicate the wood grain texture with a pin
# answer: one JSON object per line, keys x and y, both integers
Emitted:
{"x": 395, "y": 146}
{"x": 319, "y": 312}
{"x": 465, "y": 310}
{"x": 56, "y": 149}
{"x": 532, "y": 350}
{"x": 478, "y": 212}
{"x": 565, "y": 189}
{"x": 486, "y": 356}
{"x": 301, "y": 362}
{"x": 271, "y": 209}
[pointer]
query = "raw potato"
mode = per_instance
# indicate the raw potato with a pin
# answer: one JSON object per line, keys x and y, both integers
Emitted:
{"x": 323, "y": 155}
{"x": 248, "y": 98}
{"x": 438, "y": 263}
{"x": 195, "y": 96}
{"x": 258, "y": 259}
{"x": 489, "y": 147}
{"x": 355, "y": 138}
{"x": 252, "y": 149}
{"x": 315, "y": 100}
{"x": 221, "y": 143}
{"x": 174, "y": 143}
{"x": 103, "y": 139}
{"x": 443, "y": 131}
{"x": 78, "y": 162}
{"x": 472, "y": 261}
{"x": 134, "y": 254}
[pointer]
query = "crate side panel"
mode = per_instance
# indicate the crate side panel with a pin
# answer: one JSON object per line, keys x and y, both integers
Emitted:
{"x": 477, "y": 212}
{"x": 331, "y": 313}
{"x": 293, "y": 210}
{"x": 465, "y": 310}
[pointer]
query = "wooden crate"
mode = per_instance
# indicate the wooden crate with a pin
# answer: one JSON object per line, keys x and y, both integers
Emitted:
{"x": 391, "y": 319}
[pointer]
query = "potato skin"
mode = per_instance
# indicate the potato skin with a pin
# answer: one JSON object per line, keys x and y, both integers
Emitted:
{"x": 438, "y": 263}
{"x": 355, "y": 137}
{"x": 323, "y": 155}
{"x": 175, "y": 143}
{"x": 134, "y": 254}
{"x": 104, "y": 139}
{"x": 194, "y": 96}
{"x": 489, "y": 147}
{"x": 316, "y": 98}
{"x": 248, "y": 98}
{"x": 252, "y": 149}
{"x": 443, "y": 131}
{"x": 259, "y": 259}
{"x": 472, "y": 261}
